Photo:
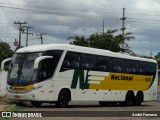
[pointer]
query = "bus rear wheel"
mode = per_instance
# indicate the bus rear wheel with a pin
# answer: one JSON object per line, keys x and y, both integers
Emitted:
{"x": 36, "y": 103}
{"x": 129, "y": 101}
{"x": 138, "y": 99}
{"x": 63, "y": 99}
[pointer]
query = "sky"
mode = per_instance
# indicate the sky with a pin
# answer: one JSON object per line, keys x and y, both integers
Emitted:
{"x": 60, "y": 19}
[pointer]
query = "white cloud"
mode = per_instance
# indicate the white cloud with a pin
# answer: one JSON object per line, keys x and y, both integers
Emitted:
{"x": 85, "y": 32}
{"x": 58, "y": 28}
{"x": 147, "y": 5}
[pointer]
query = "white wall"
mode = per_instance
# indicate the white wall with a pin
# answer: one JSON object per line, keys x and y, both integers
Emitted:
{"x": 3, "y": 82}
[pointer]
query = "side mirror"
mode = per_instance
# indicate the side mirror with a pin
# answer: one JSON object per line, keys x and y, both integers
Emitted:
{"x": 3, "y": 63}
{"x": 39, "y": 59}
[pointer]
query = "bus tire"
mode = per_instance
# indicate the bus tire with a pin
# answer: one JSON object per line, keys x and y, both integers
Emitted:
{"x": 63, "y": 99}
{"x": 138, "y": 98}
{"x": 129, "y": 101}
{"x": 36, "y": 103}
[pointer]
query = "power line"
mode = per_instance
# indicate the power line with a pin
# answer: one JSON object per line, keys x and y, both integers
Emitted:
{"x": 62, "y": 13}
{"x": 83, "y": 10}
{"x": 6, "y": 14}
{"x": 13, "y": 13}
{"x": 41, "y": 11}
{"x": 51, "y": 8}
{"x": 49, "y": 12}
{"x": 80, "y": 10}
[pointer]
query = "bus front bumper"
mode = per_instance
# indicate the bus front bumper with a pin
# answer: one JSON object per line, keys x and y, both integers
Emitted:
{"x": 29, "y": 96}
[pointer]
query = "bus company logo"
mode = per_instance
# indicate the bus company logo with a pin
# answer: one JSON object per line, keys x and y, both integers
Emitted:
{"x": 6, "y": 114}
{"x": 83, "y": 80}
{"x": 121, "y": 77}
{"x": 86, "y": 78}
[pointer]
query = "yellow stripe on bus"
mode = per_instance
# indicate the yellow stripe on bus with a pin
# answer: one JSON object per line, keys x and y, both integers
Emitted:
{"x": 121, "y": 81}
{"x": 23, "y": 87}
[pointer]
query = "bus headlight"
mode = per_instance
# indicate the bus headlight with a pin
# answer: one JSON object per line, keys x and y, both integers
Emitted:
{"x": 37, "y": 87}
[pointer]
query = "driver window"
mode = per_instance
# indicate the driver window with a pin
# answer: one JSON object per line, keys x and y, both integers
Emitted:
{"x": 45, "y": 72}
{"x": 48, "y": 66}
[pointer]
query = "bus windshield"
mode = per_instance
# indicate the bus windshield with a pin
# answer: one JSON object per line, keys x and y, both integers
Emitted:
{"x": 21, "y": 69}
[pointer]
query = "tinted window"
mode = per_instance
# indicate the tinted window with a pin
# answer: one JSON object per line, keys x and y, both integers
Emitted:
{"x": 88, "y": 62}
{"x": 118, "y": 65}
{"x": 71, "y": 61}
{"x": 104, "y": 63}
{"x": 143, "y": 68}
{"x": 131, "y": 66}
{"x": 152, "y": 68}
{"x": 48, "y": 66}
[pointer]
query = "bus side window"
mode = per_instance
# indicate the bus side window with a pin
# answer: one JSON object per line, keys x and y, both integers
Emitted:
{"x": 152, "y": 68}
{"x": 66, "y": 64}
{"x": 85, "y": 66}
{"x": 131, "y": 66}
{"x": 75, "y": 65}
{"x": 88, "y": 62}
{"x": 143, "y": 68}
{"x": 71, "y": 61}
{"x": 118, "y": 65}
{"x": 102, "y": 68}
{"x": 104, "y": 63}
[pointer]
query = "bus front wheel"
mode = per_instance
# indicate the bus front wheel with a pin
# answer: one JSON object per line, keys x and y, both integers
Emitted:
{"x": 63, "y": 99}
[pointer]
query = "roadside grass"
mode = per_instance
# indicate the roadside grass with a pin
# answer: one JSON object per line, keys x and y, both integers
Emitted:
{"x": 11, "y": 107}
{"x": 3, "y": 98}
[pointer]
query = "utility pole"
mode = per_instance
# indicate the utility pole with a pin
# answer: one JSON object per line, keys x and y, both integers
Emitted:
{"x": 123, "y": 28}
{"x": 150, "y": 48}
{"x": 41, "y": 36}
{"x": 27, "y": 33}
{"x": 103, "y": 26}
{"x": 20, "y": 30}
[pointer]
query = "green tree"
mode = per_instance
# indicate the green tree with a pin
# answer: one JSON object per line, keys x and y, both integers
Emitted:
{"x": 5, "y": 51}
{"x": 107, "y": 41}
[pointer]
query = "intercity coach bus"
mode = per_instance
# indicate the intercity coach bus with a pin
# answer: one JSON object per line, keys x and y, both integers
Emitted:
{"x": 59, "y": 73}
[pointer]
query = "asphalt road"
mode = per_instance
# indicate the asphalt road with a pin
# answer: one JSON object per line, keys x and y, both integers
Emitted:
{"x": 92, "y": 110}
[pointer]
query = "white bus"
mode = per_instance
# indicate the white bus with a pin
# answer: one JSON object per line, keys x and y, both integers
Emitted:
{"x": 59, "y": 73}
